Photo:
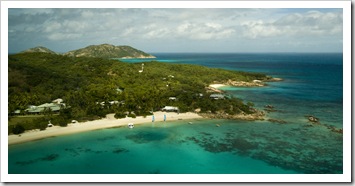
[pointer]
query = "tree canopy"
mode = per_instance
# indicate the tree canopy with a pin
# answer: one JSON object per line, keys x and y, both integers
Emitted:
{"x": 90, "y": 85}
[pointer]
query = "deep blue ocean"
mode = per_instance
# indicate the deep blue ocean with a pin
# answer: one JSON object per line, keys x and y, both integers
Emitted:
{"x": 312, "y": 85}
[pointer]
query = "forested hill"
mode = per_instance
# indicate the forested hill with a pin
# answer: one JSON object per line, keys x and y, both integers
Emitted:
{"x": 37, "y": 78}
{"x": 109, "y": 51}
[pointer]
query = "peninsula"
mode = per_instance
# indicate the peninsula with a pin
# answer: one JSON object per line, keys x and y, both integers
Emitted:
{"x": 47, "y": 89}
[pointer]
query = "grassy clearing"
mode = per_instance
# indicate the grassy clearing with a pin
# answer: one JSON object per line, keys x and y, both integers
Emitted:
{"x": 16, "y": 120}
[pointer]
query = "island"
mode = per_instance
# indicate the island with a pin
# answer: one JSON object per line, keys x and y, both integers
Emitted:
{"x": 50, "y": 90}
{"x": 109, "y": 51}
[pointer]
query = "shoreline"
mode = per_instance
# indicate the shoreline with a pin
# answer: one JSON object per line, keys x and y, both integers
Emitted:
{"x": 217, "y": 85}
{"x": 108, "y": 122}
{"x": 254, "y": 83}
{"x": 111, "y": 122}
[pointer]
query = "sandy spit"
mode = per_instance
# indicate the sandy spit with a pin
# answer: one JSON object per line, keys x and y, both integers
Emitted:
{"x": 217, "y": 85}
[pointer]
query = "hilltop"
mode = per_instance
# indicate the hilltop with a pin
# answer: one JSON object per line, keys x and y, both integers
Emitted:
{"x": 39, "y": 49}
{"x": 108, "y": 51}
{"x": 99, "y": 51}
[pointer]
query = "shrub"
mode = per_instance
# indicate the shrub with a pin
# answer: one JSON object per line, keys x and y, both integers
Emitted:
{"x": 132, "y": 115}
{"x": 143, "y": 113}
{"x": 42, "y": 125}
{"x": 119, "y": 115}
{"x": 62, "y": 122}
{"x": 18, "y": 129}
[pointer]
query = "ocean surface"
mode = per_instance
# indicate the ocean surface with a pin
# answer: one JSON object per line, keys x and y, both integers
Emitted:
{"x": 287, "y": 144}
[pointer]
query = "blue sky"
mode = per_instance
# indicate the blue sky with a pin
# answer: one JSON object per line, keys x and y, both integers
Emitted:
{"x": 179, "y": 30}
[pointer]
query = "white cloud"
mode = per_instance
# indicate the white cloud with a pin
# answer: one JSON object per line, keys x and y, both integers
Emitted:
{"x": 205, "y": 31}
{"x": 310, "y": 24}
{"x": 63, "y": 36}
{"x": 52, "y": 27}
{"x": 255, "y": 29}
{"x": 195, "y": 27}
{"x": 214, "y": 25}
{"x": 156, "y": 33}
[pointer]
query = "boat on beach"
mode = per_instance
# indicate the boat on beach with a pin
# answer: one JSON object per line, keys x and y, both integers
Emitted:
{"x": 130, "y": 125}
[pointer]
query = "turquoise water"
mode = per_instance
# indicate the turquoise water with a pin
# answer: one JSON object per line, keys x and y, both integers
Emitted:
{"x": 176, "y": 147}
{"x": 312, "y": 86}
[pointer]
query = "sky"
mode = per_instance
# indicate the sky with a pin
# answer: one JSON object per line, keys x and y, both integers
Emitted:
{"x": 178, "y": 30}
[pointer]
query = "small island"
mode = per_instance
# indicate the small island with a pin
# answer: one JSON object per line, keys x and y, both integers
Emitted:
{"x": 47, "y": 89}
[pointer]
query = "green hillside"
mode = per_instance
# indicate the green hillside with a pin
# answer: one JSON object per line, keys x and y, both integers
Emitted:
{"x": 39, "y": 49}
{"x": 83, "y": 82}
{"x": 108, "y": 51}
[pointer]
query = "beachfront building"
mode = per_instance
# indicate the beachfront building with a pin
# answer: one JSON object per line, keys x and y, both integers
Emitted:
{"x": 115, "y": 102}
{"x": 119, "y": 90}
{"x": 53, "y": 107}
{"x": 16, "y": 112}
{"x": 217, "y": 96}
{"x": 172, "y": 98}
{"x": 170, "y": 109}
{"x": 57, "y": 101}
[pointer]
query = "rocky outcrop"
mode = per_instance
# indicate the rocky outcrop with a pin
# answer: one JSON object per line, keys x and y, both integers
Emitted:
{"x": 271, "y": 79}
{"x": 269, "y": 108}
{"x": 257, "y": 115}
{"x": 336, "y": 130}
{"x": 313, "y": 119}
{"x": 254, "y": 83}
{"x": 315, "y": 122}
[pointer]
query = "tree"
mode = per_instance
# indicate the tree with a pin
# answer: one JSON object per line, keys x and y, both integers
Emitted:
{"x": 18, "y": 129}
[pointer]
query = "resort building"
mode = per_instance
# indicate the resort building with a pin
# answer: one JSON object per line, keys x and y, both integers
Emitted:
{"x": 170, "y": 109}
{"x": 217, "y": 96}
{"x": 172, "y": 98}
{"x": 53, "y": 107}
{"x": 57, "y": 101}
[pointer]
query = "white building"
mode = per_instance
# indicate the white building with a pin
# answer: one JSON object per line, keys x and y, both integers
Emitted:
{"x": 170, "y": 109}
{"x": 217, "y": 96}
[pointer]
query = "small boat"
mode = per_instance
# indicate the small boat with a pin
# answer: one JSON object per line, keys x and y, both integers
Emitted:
{"x": 130, "y": 125}
{"x": 217, "y": 125}
{"x": 190, "y": 122}
{"x": 50, "y": 124}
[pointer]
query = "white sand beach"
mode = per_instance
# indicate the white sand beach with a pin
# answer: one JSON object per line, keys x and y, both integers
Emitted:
{"x": 217, "y": 85}
{"x": 107, "y": 122}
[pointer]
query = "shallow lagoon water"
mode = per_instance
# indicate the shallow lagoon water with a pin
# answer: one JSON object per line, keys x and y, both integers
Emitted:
{"x": 172, "y": 147}
{"x": 312, "y": 86}
{"x": 236, "y": 147}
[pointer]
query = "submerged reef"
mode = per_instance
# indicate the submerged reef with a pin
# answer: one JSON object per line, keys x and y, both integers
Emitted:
{"x": 300, "y": 155}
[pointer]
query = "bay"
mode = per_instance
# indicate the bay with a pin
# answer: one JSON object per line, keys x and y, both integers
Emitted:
{"x": 312, "y": 85}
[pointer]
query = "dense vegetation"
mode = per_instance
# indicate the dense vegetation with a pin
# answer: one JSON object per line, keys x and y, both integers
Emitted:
{"x": 83, "y": 83}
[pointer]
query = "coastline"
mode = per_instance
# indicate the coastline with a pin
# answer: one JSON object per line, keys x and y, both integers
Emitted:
{"x": 217, "y": 85}
{"x": 108, "y": 122}
{"x": 111, "y": 122}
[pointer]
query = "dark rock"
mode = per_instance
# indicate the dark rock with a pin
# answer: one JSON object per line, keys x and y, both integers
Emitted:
{"x": 269, "y": 106}
{"x": 313, "y": 119}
